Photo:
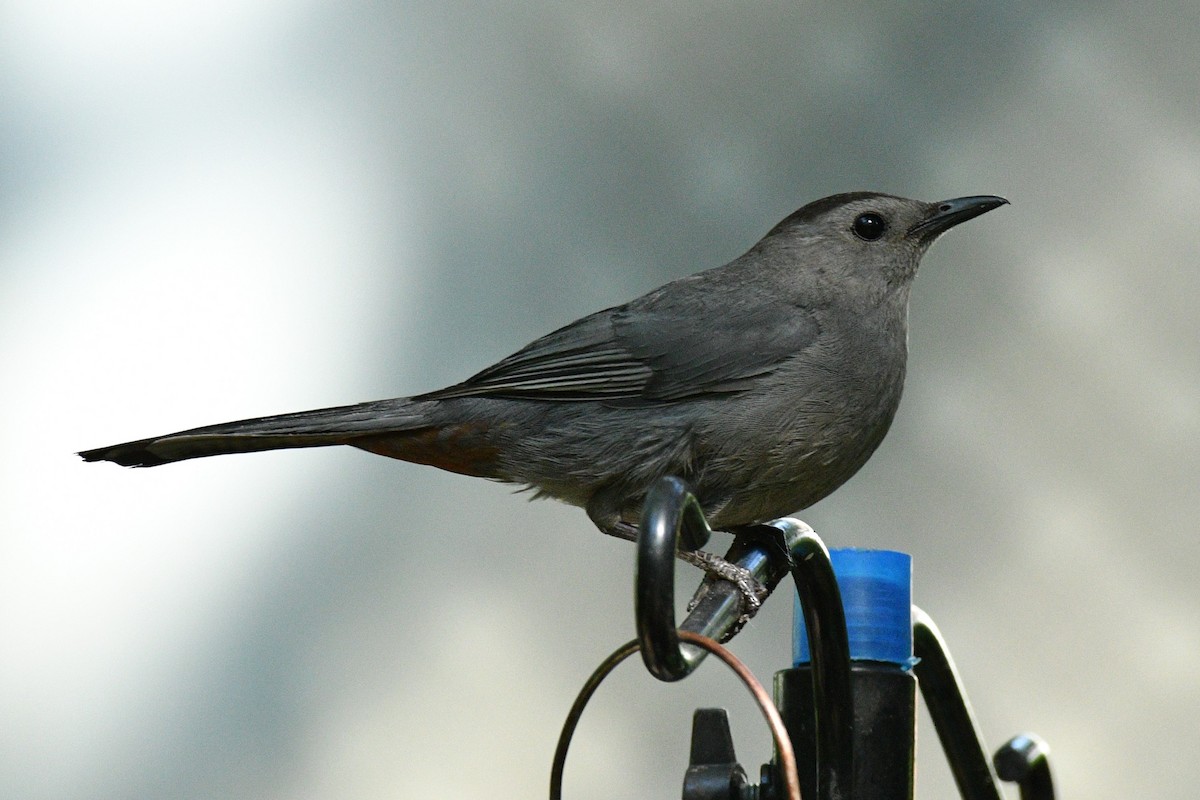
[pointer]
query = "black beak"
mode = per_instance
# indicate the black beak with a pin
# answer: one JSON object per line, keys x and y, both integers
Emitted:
{"x": 949, "y": 213}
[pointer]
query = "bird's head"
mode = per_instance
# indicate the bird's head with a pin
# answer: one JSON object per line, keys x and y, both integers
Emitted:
{"x": 871, "y": 239}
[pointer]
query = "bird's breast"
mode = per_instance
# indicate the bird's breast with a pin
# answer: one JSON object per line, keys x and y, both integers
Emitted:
{"x": 809, "y": 427}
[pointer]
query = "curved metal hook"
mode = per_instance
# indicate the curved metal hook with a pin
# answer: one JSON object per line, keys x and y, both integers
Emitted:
{"x": 1024, "y": 760}
{"x": 671, "y": 518}
{"x": 718, "y": 609}
{"x": 950, "y": 711}
{"x": 829, "y": 644}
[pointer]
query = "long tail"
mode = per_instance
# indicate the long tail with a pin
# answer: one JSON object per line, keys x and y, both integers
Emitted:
{"x": 357, "y": 424}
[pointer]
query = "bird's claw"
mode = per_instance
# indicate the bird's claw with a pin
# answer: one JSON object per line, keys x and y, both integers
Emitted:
{"x": 752, "y": 591}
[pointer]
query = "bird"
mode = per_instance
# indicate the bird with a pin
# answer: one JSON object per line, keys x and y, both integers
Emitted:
{"x": 765, "y": 383}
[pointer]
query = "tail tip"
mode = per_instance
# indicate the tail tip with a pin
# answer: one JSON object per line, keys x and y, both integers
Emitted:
{"x": 132, "y": 454}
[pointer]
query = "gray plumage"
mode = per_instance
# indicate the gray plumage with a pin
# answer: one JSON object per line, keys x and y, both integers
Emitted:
{"x": 765, "y": 383}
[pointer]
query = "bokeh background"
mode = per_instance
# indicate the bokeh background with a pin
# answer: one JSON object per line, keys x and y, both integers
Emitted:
{"x": 224, "y": 209}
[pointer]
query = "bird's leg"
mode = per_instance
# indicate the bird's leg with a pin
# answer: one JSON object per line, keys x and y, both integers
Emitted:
{"x": 752, "y": 591}
{"x": 619, "y": 529}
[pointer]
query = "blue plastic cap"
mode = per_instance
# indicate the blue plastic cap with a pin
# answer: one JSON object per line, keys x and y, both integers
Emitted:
{"x": 876, "y": 588}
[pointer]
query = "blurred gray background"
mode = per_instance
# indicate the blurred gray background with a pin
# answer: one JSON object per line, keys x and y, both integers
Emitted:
{"x": 225, "y": 209}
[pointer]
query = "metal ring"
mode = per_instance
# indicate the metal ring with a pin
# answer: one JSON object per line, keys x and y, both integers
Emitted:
{"x": 783, "y": 744}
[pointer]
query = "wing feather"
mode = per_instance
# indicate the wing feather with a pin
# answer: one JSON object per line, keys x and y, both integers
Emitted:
{"x": 675, "y": 343}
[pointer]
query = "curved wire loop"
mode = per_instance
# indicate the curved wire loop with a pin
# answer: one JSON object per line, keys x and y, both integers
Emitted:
{"x": 783, "y": 744}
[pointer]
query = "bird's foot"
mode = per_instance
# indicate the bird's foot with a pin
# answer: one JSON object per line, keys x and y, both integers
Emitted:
{"x": 752, "y": 590}
{"x": 621, "y": 530}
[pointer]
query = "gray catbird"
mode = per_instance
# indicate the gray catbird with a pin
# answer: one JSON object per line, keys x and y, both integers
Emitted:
{"x": 765, "y": 383}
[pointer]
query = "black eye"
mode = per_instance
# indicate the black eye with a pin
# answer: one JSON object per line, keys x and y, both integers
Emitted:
{"x": 869, "y": 226}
